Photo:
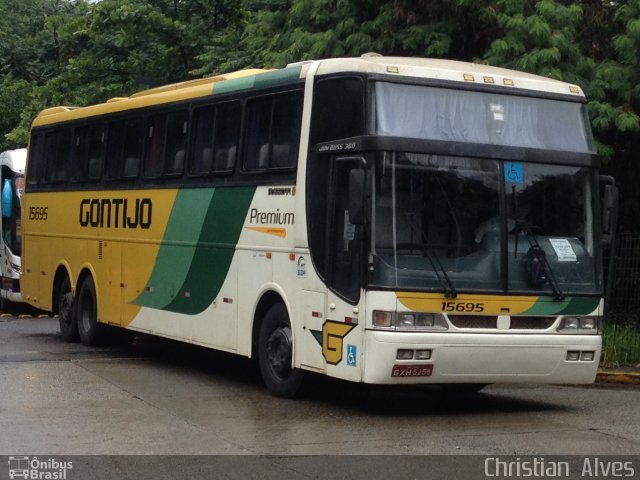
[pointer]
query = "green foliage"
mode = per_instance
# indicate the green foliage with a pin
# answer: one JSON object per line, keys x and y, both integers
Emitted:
{"x": 621, "y": 345}
{"x": 15, "y": 98}
{"x": 75, "y": 53}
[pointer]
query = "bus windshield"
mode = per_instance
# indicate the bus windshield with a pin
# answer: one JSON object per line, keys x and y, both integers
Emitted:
{"x": 418, "y": 111}
{"x": 13, "y": 188}
{"x": 449, "y": 224}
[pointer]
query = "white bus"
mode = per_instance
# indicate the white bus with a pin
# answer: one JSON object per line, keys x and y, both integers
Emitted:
{"x": 378, "y": 219}
{"x": 12, "y": 163}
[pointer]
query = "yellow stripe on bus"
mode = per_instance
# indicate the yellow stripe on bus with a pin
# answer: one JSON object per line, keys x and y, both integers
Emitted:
{"x": 467, "y": 303}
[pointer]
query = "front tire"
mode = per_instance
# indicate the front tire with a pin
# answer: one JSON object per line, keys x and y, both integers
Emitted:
{"x": 66, "y": 317}
{"x": 275, "y": 352}
{"x": 86, "y": 313}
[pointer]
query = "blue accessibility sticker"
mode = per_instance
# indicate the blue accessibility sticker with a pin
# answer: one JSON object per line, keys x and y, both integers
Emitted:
{"x": 513, "y": 172}
{"x": 352, "y": 354}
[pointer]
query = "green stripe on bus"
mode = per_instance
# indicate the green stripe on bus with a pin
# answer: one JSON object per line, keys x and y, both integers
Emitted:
{"x": 208, "y": 222}
{"x": 567, "y": 306}
{"x": 216, "y": 246}
{"x": 178, "y": 248}
{"x": 266, "y": 79}
{"x": 581, "y": 306}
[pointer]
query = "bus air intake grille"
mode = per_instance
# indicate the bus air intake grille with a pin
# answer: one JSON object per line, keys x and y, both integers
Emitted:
{"x": 474, "y": 321}
{"x": 532, "y": 323}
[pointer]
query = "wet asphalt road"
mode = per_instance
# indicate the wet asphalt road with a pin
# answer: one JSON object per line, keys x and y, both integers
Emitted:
{"x": 159, "y": 397}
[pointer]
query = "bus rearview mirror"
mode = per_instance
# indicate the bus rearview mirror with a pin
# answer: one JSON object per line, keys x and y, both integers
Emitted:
{"x": 357, "y": 196}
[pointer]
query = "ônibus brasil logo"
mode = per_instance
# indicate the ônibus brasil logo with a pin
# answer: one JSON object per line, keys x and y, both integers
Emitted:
{"x": 34, "y": 468}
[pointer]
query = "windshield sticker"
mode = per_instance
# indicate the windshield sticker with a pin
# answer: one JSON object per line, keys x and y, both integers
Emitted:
{"x": 349, "y": 228}
{"x": 498, "y": 112}
{"x": 513, "y": 172}
{"x": 563, "y": 250}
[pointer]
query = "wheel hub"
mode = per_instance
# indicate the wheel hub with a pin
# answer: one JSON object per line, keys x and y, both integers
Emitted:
{"x": 279, "y": 351}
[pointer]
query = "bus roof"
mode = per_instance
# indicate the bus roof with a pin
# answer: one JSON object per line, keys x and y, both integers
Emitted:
{"x": 201, "y": 87}
{"x": 447, "y": 70}
{"x": 424, "y": 68}
{"x": 14, "y": 159}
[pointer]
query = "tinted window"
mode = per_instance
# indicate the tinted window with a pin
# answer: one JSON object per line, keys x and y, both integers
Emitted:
{"x": 57, "y": 152}
{"x": 273, "y": 131}
{"x": 285, "y": 130}
{"x": 338, "y": 112}
{"x": 87, "y": 153}
{"x": 124, "y": 148}
{"x": 176, "y": 143}
{"x": 216, "y": 139}
{"x": 166, "y": 144}
{"x": 115, "y": 149}
{"x": 36, "y": 159}
{"x": 338, "y": 109}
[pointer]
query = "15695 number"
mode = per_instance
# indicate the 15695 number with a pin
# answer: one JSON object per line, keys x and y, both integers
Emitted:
{"x": 467, "y": 307}
{"x": 38, "y": 213}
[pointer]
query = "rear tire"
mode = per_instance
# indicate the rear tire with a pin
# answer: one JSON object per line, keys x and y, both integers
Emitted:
{"x": 86, "y": 313}
{"x": 66, "y": 317}
{"x": 275, "y": 352}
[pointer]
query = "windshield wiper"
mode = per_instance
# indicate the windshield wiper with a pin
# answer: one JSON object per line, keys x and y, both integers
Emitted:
{"x": 445, "y": 281}
{"x": 537, "y": 254}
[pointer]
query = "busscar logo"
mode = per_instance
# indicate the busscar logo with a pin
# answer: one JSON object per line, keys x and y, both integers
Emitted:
{"x": 38, "y": 469}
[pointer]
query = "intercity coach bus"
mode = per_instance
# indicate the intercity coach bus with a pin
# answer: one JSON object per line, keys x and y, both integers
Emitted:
{"x": 377, "y": 219}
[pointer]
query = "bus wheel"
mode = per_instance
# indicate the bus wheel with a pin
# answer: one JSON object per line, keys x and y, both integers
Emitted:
{"x": 86, "y": 313}
{"x": 275, "y": 351}
{"x": 68, "y": 323}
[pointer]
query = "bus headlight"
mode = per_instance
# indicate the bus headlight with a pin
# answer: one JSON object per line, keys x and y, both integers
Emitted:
{"x": 409, "y": 320}
{"x": 382, "y": 319}
{"x": 585, "y": 325}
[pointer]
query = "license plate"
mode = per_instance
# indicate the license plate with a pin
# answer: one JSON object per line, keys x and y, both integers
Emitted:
{"x": 412, "y": 370}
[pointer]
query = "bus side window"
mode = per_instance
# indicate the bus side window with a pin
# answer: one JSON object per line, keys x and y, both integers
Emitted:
{"x": 226, "y": 136}
{"x": 132, "y": 154}
{"x": 36, "y": 160}
{"x": 115, "y": 145}
{"x": 124, "y": 148}
{"x": 273, "y": 127}
{"x": 79, "y": 148}
{"x": 166, "y": 144}
{"x": 202, "y": 161}
{"x": 258, "y": 118}
{"x": 57, "y": 152}
{"x": 153, "y": 159}
{"x": 95, "y": 152}
{"x": 216, "y": 138}
{"x": 176, "y": 142}
{"x": 285, "y": 130}
{"x": 87, "y": 153}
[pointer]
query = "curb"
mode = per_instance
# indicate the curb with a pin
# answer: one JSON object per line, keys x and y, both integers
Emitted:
{"x": 618, "y": 376}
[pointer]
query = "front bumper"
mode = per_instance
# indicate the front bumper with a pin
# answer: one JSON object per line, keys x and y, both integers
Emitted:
{"x": 480, "y": 358}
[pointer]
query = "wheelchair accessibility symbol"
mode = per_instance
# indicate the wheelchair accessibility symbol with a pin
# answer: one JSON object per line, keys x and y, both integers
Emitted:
{"x": 513, "y": 172}
{"x": 352, "y": 353}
